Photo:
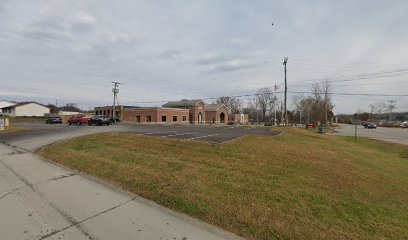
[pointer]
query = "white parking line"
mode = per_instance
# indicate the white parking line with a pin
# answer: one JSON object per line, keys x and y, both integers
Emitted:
{"x": 203, "y": 136}
{"x": 178, "y": 134}
{"x": 159, "y": 132}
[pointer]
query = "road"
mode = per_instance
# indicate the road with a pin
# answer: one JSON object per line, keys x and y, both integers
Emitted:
{"x": 394, "y": 135}
{"x": 41, "y": 200}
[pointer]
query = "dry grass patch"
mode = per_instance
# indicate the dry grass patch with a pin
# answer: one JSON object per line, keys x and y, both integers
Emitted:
{"x": 298, "y": 185}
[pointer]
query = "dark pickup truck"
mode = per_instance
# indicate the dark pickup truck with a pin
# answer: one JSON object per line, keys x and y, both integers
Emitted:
{"x": 100, "y": 120}
{"x": 53, "y": 119}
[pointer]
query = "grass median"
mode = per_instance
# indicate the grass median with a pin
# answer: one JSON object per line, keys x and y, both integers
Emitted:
{"x": 299, "y": 185}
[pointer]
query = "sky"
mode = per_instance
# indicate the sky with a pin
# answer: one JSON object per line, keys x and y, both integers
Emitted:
{"x": 71, "y": 51}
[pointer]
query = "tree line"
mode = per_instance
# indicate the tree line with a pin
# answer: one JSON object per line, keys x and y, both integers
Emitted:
{"x": 265, "y": 105}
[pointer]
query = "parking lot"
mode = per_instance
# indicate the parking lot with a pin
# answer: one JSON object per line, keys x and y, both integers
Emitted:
{"x": 215, "y": 134}
{"x": 394, "y": 135}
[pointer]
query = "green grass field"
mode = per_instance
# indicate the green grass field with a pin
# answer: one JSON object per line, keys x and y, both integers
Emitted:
{"x": 299, "y": 185}
{"x": 27, "y": 119}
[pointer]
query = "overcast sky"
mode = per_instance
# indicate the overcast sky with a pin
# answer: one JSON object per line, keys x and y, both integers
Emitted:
{"x": 169, "y": 50}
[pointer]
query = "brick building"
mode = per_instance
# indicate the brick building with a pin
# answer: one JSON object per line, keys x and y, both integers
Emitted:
{"x": 196, "y": 109}
{"x": 216, "y": 114}
{"x": 239, "y": 118}
{"x": 180, "y": 112}
{"x": 108, "y": 110}
{"x": 156, "y": 115}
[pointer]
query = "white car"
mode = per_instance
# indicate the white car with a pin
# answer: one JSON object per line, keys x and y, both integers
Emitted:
{"x": 404, "y": 124}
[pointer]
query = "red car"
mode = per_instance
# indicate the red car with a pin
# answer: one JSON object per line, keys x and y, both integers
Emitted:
{"x": 78, "y": 119}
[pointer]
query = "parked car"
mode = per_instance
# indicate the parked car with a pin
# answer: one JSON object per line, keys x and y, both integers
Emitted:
{"x": 404, "y": 124}
{"x": 53, "y": 119}
{"x": 100, "y": 120}
{"x": 78, "y": 119}
{"x": 309, "y": 125}
{"x": 370, "y": 126}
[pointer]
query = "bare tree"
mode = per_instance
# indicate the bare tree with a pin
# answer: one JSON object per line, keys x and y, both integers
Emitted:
{"x": 233, "y": 104}
{"x": 321, "y": 93}
{"x": 253, "y": 109}
{"x": 305, "y": 105}
{"x": 265, "y": 99}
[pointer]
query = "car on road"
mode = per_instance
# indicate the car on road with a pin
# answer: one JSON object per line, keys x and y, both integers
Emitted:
{"x": 370, "y": 126}
{"x": 100, "y": 120}
{"x": 78, "y": 119}
{"x": 404, "y": 124}
{"x": 53, "y": 119}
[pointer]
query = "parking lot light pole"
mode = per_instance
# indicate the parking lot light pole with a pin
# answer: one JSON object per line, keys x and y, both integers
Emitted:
{"x": 115, "y": 91}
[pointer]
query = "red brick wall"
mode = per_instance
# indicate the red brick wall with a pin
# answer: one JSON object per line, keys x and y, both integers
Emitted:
{"x": 131, "y": 115}
{"x": 211, "y": 116}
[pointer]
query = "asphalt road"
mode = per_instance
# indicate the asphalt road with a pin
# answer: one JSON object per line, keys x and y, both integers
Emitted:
{"x": 41, "y": 200}
{"x": 394, "y": 135}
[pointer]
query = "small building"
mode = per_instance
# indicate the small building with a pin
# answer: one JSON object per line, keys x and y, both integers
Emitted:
{"x": 26, "y": 109}
{"x": 196, "y": 109}
{"x": 216, "y": 114}
{"x": 239, "y": 118}
{"x": 152, "y": 115}
{"x": 67, "y": 113}
{"x": 5, "y": 103}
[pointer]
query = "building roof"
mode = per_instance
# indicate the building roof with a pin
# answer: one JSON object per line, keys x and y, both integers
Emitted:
{"x": 183, "y": 103}
{"x": 5, "y": 103}
{"x": 159, "y": 108}
{"x": 24, "y": 103}
{"x": 124, "y": 106}
{"x": 213, "y": 107}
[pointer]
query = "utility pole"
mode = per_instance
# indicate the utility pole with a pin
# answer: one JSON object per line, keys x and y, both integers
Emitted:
{"x": 391, "y": 107}
{"x": 372, "y": 107}
{"x": 281, "y": 112}
{"x": 285, "y": 62}
{"x": 115, "y": 91}
{"x": 275, "y": 99}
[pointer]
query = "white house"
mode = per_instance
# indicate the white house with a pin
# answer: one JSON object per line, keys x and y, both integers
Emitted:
{"x": 4, "y": 104}
{"x": 28, "y": 109}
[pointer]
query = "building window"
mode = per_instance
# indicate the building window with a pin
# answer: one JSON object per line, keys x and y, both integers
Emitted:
{"x": 164, "y": 119}
{"x": 184, "y": 118}
{"x": 148, "y": 118}
{"x": 174, "y": 118}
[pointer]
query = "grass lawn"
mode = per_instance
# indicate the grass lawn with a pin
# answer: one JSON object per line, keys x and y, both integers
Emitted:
{"x": 299, "y": 185}
{"x": 27, "y": 119}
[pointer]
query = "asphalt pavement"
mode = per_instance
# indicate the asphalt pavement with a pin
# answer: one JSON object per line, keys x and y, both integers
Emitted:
{"x": 393, "y": 135}
{"x": 42, "y": 200}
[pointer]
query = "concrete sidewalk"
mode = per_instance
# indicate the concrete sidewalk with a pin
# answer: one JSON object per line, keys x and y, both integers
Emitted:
{"x": 40, "y": 200}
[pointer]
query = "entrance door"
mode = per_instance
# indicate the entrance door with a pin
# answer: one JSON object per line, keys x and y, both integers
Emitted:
{"x": 200, "y": 118}
{"x": 222, "y": 118}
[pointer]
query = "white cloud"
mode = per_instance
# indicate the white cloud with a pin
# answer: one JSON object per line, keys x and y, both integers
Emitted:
{"x": 170, "y": 50}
